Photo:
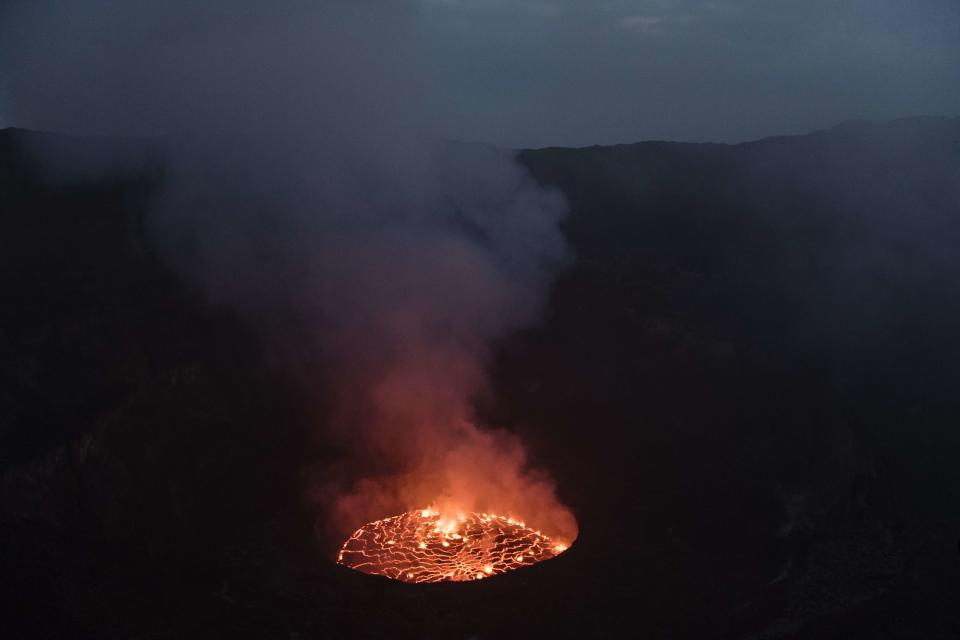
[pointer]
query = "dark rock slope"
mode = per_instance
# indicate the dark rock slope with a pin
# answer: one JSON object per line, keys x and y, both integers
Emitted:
{"x": 745, "y": 386}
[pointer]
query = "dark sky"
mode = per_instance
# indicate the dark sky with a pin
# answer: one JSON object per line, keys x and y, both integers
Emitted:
{"x": 579, "y": 72}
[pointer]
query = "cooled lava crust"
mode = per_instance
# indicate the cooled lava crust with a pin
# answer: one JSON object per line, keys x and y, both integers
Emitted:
{"x": 421, "y": 546}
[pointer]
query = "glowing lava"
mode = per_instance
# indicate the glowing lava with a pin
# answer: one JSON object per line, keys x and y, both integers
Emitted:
{"x": 421, "y": 546}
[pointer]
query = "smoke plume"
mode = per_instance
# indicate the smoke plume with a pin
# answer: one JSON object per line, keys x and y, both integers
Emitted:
{"x": 305, "y": 188}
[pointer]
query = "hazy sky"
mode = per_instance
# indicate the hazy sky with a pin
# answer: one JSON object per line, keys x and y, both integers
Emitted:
{"x": 573, "y": 72}
{"x": 578, "y": 72}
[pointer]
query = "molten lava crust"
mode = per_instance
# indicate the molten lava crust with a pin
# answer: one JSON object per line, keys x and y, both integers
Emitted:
{"x": 420, "y": 546}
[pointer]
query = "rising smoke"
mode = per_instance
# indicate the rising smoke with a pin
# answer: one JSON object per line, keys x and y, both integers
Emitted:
{"x": 305, "y": 188}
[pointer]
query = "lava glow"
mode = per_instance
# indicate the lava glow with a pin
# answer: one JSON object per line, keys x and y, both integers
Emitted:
{"x": 422, "y": 546}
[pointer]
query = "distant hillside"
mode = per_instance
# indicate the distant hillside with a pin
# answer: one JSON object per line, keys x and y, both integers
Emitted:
{"x": 835, "y": 239}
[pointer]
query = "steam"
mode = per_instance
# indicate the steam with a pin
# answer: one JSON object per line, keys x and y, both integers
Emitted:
{"x": 307, "y": 189}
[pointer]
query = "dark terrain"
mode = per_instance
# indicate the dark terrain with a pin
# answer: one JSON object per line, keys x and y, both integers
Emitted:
{"x": 745, "y": 385}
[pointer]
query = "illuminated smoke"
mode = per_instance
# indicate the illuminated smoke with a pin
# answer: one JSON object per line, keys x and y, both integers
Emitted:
{"x": 307, "y": 188}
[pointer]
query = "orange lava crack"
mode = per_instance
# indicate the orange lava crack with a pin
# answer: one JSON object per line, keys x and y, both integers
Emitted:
{"x": 421, "y": 546}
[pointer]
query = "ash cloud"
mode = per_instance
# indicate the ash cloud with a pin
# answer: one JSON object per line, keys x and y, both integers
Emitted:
{"x": 305, "y": 188}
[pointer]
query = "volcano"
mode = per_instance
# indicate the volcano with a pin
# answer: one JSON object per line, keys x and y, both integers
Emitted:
{"x": 424, "y": 546}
